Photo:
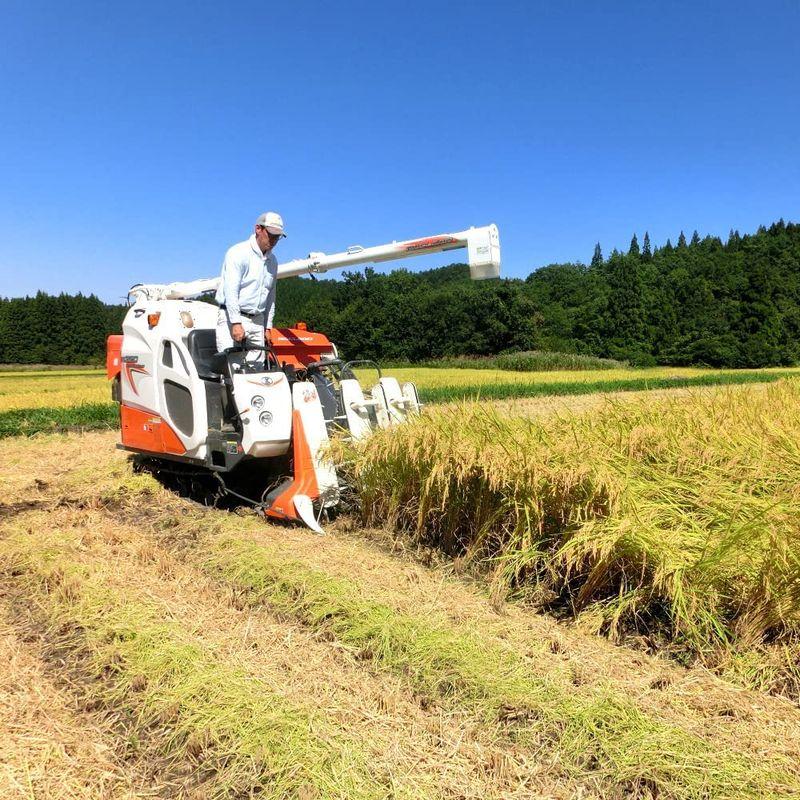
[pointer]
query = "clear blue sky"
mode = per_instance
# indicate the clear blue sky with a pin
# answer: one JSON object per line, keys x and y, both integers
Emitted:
{"x": 139, "y": 140}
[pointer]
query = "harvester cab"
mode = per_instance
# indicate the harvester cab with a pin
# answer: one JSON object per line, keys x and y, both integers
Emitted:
{"x": 256, "y": 421}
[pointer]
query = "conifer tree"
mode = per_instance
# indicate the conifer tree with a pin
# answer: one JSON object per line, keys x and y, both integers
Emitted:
{"x": 597, "y": 257}
{"x": 681, "y": 240}
{"x": 647, "y": 253}
{"x": 624, "y": 329}
{"x": 695, "y": 239}
{"x": 633, "y": 250}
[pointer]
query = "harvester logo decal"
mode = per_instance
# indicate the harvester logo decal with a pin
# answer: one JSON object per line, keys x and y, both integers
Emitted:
{"x": 267, "y": 380}
{"x": 433, "y": 241}
{"x": 130, "y": 368}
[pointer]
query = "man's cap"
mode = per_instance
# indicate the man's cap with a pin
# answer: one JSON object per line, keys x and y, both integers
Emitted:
{"x": 272, "y": 221}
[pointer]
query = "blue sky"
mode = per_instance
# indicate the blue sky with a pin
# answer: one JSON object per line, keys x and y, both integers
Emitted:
{"x": 138, "y": 141}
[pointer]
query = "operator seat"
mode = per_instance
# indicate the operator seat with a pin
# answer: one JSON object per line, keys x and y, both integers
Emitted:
{"x": 202, "y": 346}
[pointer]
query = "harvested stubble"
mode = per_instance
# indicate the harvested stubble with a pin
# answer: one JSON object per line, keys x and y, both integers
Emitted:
{"x": 233, "y": 728}
{"x": 638, "y": 745}
{"x": 594, "y": 733}
{"x": 49, "y": 748}
{"x": 679, "y": 517}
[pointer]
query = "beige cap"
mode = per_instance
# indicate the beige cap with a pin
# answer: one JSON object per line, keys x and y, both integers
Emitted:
{"x": 272, "y": 221}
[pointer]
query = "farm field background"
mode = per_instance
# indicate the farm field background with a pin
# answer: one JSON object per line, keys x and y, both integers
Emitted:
{"x": 65, "y": 388}
{"x": 441, "y": 639}
{"x": 53, "y": 389}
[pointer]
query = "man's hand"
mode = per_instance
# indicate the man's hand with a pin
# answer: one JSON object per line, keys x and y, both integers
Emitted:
{"x": 237, "y": 331}
{"x": 267, "y": 340}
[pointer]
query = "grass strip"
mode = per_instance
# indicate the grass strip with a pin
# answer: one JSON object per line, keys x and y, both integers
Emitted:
{"x": 592, "y": 733}
{"x": 44, "y": 372}
{"x": 526, "y": 361}
{"x": 84, "y": 416}
{"x": 242, "y": 737}
{"x": 506, "y": 391}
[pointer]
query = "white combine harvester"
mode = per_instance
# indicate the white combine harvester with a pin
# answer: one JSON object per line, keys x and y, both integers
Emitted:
{"x": 264, "y": 423}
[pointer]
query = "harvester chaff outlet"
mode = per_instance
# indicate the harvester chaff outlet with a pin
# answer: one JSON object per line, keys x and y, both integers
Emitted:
{"x": 256, "y": 425}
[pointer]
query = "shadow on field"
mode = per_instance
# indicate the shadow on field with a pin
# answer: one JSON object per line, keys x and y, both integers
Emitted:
{"x": 246, "y": 486}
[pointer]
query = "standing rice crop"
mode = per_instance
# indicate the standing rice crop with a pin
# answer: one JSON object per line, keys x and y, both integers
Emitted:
{"x": 52, "y": 389}
{"x": 678, "y": 517}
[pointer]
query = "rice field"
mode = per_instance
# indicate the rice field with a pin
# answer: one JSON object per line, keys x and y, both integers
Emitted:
{"x": 52, "y": 389}
{"x": 434, "y": 378}
{"x": 213, "y": 655}
{"x": 45, "y": 401}
{"x": 61, "y": 389}
{"x": 441, "y": 640}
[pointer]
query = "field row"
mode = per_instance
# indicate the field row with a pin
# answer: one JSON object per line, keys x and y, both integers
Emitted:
{"x": 244, "y": 658}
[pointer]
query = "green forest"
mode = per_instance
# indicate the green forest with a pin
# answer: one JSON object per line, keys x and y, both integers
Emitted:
{"x": 699, "y": 301}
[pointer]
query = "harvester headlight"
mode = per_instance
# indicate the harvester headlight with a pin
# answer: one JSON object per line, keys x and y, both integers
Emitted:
{"x": 265, "y": 417}
{"x": 257, "y": 401}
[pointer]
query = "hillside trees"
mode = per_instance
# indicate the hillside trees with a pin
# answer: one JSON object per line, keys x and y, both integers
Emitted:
{"x": 735, "y": 304}
{"x": 50, "y": 329}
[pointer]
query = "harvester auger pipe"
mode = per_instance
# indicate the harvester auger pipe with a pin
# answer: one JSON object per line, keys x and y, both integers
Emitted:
{"x": 482, "y": 244}
{"x": 261, "y": 427}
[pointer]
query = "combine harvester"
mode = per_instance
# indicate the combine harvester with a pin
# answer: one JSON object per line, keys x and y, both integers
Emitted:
{"x": 262, "y": 422}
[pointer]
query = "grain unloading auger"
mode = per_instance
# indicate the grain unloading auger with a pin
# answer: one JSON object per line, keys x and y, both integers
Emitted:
{"x": 262, "y": 424}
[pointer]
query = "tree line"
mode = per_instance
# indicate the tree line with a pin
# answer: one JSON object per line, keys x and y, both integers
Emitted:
{"x": 56, "y": 329}
{"x": 701, "y": 301}
{"x": 698, "y": 301}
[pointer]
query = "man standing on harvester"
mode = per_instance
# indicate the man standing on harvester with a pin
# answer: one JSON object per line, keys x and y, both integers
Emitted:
{"x": 246, "y": 293}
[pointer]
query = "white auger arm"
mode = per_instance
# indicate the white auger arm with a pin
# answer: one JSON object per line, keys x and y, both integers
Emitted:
{"x": 483, "y": 249}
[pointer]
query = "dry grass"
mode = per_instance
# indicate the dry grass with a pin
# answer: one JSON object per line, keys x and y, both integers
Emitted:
{"x": 419, "y": 749}
{"x": 595, "y": 731}
{"x": 49, "y": 748}
{"x": 85, "y": 470}
{"x": 591, "y": 725}
{"x": 241, "y": 733}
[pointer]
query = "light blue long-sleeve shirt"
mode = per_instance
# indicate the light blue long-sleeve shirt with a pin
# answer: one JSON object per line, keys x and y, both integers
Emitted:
{"x": 248, "y": 282}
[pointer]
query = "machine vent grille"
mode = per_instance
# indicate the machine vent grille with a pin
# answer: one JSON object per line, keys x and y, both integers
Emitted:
{"x": 179, "y": 406}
